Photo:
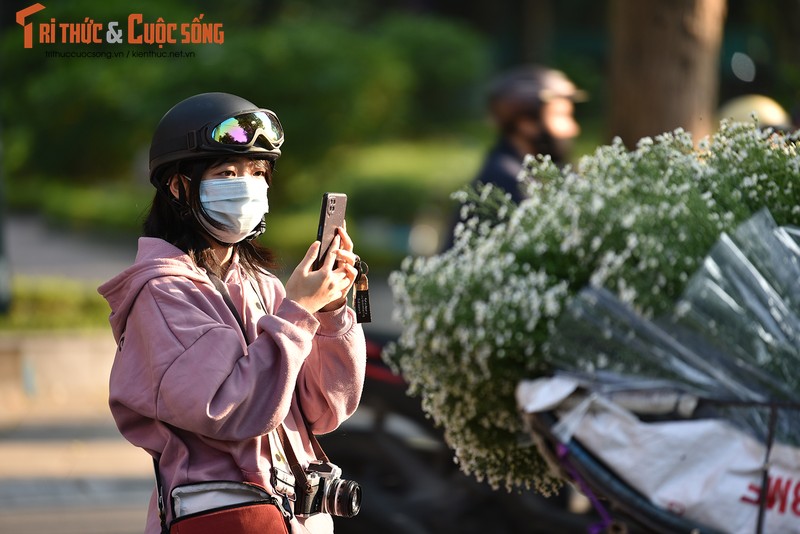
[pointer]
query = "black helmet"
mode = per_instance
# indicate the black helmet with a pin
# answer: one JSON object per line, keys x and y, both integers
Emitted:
{"x": 214, "y": 124}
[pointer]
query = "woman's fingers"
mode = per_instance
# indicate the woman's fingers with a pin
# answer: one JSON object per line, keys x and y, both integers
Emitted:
{"x": 346, "y": 256}
{"x": 347, "y": 242}
{"x": 330, "y": 259}
{"x": 306, "y": 264}
{"x": 349, "y": 276}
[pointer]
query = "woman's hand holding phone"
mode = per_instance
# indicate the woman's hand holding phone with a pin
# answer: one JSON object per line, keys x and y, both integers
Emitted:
{"x": 324, "y": 289}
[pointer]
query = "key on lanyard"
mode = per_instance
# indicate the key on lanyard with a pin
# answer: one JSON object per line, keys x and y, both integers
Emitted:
{"x": 361, "y": 293}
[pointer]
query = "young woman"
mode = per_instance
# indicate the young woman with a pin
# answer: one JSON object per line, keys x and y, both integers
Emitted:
{"x": 214, "y": 355}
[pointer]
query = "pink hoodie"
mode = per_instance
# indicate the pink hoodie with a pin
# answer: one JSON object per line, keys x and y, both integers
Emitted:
{"x": 185, "y": 384}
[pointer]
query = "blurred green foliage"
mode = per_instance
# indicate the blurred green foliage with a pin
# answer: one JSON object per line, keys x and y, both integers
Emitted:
{"x": 350, "y": 86}
{"x": 332, "y": 83}
{"x": 54, "y": 303}
{"x": 449, "y": 69}
{"x": 110, "y": 207}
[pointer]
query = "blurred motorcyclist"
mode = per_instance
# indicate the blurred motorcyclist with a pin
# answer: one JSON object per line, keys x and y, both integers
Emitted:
{"x": 532, "y": 109}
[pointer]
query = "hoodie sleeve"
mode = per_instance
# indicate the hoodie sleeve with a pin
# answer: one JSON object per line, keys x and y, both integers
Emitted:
{"x": 331, "y": 379}
{"x": 204, "y": 381}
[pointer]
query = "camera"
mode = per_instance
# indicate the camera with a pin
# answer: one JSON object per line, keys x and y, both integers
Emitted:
{"x": 326, "y": 492}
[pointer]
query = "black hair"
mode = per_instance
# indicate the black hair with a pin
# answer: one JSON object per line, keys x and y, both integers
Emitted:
{"x": 174, "y": 220}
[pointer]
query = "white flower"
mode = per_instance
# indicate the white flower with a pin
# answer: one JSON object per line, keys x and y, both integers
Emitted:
{"x": 628, "y": 220}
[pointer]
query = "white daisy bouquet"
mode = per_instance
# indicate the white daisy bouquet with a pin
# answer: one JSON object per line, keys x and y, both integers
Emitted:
{"x": 479, "y": 318}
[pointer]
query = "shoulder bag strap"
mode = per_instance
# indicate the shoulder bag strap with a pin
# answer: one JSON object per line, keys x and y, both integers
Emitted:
{"x": 162, "y": 515}
{"x": 159, "y": 486}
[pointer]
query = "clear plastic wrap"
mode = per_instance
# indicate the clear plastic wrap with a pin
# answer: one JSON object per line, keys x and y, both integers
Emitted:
{"x": 733, "y": 340}
{"x": 689, "y": 422}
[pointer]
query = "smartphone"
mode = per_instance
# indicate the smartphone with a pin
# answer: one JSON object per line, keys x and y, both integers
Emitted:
{"x": 331, "y": 216}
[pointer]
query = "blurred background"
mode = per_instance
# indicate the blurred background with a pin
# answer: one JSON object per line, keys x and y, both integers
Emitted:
{"x": 383, "y": 101}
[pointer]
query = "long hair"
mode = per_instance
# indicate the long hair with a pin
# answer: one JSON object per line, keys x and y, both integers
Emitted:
{"x": 175, "y": 220}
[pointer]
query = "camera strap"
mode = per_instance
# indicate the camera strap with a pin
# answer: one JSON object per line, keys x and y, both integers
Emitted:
{"x": 220, "y": 285}
{"x": 294, "y": 464}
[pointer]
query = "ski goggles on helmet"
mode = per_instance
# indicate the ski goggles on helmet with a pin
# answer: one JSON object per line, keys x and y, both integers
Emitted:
{"x": 245, "y": 129}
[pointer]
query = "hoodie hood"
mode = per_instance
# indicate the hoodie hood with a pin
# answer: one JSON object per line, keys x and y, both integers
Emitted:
{"x": 155, "y": 258}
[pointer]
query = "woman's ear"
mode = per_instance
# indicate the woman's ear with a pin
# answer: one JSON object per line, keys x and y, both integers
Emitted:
{"x": 175, "y": 183}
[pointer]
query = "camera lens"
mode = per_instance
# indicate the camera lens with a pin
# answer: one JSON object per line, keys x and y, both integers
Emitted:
{"x": 342, "y": 498}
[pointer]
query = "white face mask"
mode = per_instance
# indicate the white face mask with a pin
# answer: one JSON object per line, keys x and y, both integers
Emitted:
{"x": 238, "y": 204}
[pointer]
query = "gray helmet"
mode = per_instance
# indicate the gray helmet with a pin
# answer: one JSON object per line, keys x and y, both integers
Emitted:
{"x": 524, "y": 90}
{"x": 214, "y": 124}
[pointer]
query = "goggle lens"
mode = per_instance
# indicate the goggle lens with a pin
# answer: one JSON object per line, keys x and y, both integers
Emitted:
{"x": 243, "y": 130}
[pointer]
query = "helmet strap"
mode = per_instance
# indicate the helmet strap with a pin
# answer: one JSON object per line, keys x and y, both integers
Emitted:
{"x": 179, "y": 205}
{"x": 258, "y": 230}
